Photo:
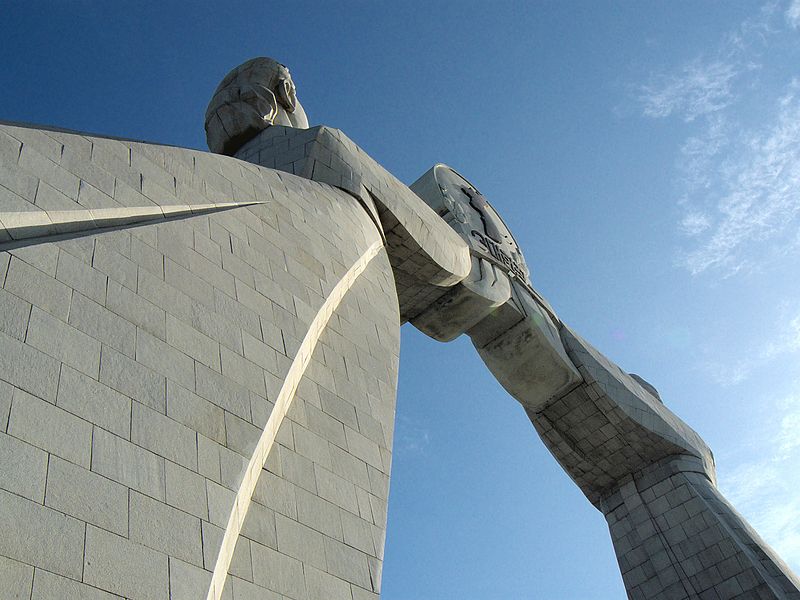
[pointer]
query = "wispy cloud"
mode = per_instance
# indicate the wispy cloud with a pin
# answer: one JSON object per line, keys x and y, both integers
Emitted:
{"x": 793, "y": 14}
{"x": 410, "y": 437}
{"x": 750, "y": 197}
{"x": 698, "y": 88}
{"x": 739, "y": 169}
{"x": 764, "y": 488}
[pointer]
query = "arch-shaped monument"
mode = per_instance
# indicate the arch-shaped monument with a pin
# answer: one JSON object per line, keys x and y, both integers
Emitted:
{"x": 198, "y": 360}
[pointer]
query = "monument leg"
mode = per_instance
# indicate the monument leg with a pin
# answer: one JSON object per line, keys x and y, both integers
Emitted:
{"x": 677, "y": 537}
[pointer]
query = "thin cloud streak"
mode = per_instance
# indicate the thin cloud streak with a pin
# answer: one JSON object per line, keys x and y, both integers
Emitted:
{"x": 755, "y": 195}
{"x": 697, "y": 89}
{"x": 793, "y": 14}
{"x": 739, "y": 186}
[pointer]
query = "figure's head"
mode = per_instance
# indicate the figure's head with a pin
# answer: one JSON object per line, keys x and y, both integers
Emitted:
{"x": 250, "y": 98}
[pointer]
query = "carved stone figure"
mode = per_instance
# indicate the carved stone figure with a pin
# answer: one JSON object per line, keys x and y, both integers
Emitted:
{"x": 253, "y": 96}
{"x": 198, "y": 365}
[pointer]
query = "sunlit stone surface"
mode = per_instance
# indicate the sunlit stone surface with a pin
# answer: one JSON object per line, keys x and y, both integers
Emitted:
{"x": 198, "y": 366}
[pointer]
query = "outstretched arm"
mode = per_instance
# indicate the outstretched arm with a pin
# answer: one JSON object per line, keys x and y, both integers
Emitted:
{"x": 650, "y": 474}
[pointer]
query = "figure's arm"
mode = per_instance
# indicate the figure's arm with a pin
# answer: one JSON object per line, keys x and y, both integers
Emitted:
{"x": 651, "y": 475}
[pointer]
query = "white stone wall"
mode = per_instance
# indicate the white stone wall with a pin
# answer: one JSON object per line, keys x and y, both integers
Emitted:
{"x": 139, "y": 364}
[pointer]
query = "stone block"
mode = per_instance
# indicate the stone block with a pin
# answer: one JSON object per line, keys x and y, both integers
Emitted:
{"x": 23, "y": 468}
{"x": 278, "y": 494}
{"x": 6, "y": 393}
{"x": 166, "y": 529}
{"x": 349, "y": 467}
{"x": 260, "y": 353}
{"x": 33, "y": 162}
{"x": 187, "y": 582}
{"x": 48, "y": 586}
{"x": 147, "y": 257}
{"x": 259, "y": 525}
{"x": 102, "y": 324}
{"x": 64, "y": 342}
{"x": 241, "y": 564}
{"x": 208, "y": 248}
{"x": 239, "y": 369}
{"x": 38, "y": 288}
{"x": 187, "y": 282}
{"x": 237, "y": 312}
{"x": 80, "y": 493}
{"x": 333, "y": 488}
{"x": 245, "y": 590}
{"x": 50, "y": 428}
{"x": 5, "y": 258}
{"x": 28, "y": 368}
{"x": 222, "y": 391}
{"x": 242, "y": 435}
{"x": 362, "y": 594}
{"x": 133, "y": 379}
{"x": 16, "y": 579}
{"x": 318, "y": 514}
{"x": 163, "y": 436}
{"x": 326, "y": 426}
{"x": 278, "y": 572}
{"x": 117, "y": 267}
{"x": 128, "y": 464}
{"x": 364, "y": 448}
{"x": 300, "y": 542}
{"x": 232, "y": 467}
{"x": 357, "y": 533}
{"x": 193, "y": 343}
{"x": 220, "y": 502}
{"x": 14, "y": 313}
{"x": 94, "y": 402}
{"x": 123, "y": 567}
{"x": 195, "y": 412}
{"x": 322, "y": 586}
{"x": 212, "y": 273}
{"x": 163, "y": 358}
{"x": 347, "y": 563}
{"x": 40, "y": 536}
{"x": 136, "y": 309}
{"x": 208, "y": 463}
{"x": 186, "y": 490}
{"x": 312, "y": 446}
{"x": 81, "y": 277}
{"x": 22, "y": 186}
{"x": 379, "y": 483}
{"x": 297, "y": 469}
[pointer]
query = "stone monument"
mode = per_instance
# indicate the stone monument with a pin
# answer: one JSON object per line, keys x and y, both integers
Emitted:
{"x": 198, "y": 366}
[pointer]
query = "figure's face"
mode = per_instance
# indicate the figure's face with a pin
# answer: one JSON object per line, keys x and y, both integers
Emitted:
{"x": 468, "y": 212}
{"x": 286, "y": 92}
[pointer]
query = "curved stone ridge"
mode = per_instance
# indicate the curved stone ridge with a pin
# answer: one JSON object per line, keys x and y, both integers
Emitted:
{"x": 30, "y": 224}
{"x": 283, "y": 402}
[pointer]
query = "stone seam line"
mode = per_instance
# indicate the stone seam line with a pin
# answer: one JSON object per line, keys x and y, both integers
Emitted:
{"x": 301, "y": 360}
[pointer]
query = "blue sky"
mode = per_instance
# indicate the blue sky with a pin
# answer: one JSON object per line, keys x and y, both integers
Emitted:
{"x": 647, "y": 158}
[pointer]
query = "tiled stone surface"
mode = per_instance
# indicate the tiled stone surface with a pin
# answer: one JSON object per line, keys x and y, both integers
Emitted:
{"x": 676, "y": 537}
{"x": 427, "y": 256}
{"x": 674, "y": 534}
{"x": 139, "y": 365}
